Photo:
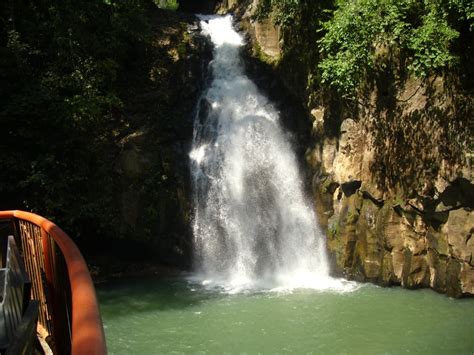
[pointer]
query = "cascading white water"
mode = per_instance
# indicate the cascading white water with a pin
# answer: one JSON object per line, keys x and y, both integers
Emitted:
{"x": 253, "y": 227}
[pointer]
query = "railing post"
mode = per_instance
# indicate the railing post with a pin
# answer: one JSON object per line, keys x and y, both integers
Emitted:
{"x": 49, "y": 283}
{"x": 61, "y": 334}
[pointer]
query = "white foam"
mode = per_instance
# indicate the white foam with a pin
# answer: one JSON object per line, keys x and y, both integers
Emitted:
{"x": 198, "y": 153}
{"x": 217, "y": 27}
{"x": 253, "y": 227}
{"x": 225, "y": 285}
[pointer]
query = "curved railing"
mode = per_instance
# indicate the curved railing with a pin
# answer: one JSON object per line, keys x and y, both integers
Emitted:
{"x": 69, "y": 310}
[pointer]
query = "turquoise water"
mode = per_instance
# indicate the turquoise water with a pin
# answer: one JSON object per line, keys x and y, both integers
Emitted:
{"x": 176, "y": 316}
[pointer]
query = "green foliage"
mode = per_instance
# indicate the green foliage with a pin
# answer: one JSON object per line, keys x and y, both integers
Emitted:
{"x": 429, "y": 44}
{"x": 282, "y": 12}
{"x": 422, "y": 30}
{"x": 167, "y": 4}
{"x": 463, "y": 8}
{"x": 61, "y": 64}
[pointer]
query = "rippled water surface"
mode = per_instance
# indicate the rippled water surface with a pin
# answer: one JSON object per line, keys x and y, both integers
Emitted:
{"x": 178, "y": 316}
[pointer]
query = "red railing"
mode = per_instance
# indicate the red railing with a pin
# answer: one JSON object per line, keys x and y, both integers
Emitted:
{"x": 69, "y": 311}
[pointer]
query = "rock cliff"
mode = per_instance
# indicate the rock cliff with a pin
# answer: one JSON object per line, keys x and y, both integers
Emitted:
{"x": 394, "y": 191}
{"x": 391, "y": 172}
{"x": 152, "y": 164}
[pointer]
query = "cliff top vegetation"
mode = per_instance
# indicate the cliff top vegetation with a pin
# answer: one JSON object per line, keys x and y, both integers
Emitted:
{"x": 427, "y": 35}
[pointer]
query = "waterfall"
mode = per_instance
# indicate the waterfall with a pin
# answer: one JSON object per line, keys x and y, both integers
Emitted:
{"x": 253, "y": 227}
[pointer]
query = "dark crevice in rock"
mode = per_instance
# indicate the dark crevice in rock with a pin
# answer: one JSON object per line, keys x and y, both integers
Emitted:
{"x": 398, "y": 209}
{"x": 435, "y": 219}
{"x": 378, "y": 202}
{"x": 350, "y": 188}
{"x": 460, "y": 193}
{"x": 331, "y": 187}
{"x": 419, "y": 211}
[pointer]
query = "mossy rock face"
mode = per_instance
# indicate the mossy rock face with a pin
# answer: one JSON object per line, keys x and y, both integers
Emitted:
{"x": 418, "y": 273}
{"x": 438, "y": 270}
{"x": 342, "y": 238}
{"x": 335, "y": 245}
{"x": 323, "y": 190}
{"x": 153, "y": 183}
{"x": 374, "y": 251}
{"x": 388, "y": 244}
{"x": 453, "y": 284}
{"x": 388, "y": 277}
{"x": 438, "y": 241}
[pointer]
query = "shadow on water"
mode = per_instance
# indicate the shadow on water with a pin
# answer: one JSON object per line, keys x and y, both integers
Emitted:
{"x": 150, "y": 294}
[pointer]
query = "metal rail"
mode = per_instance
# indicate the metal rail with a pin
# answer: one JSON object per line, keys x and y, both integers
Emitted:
{"x": 69, "y": 310}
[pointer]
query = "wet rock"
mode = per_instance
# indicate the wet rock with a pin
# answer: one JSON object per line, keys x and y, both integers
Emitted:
{"x": 398, "y": 262}
{"x": 453, "y": 284}
{"x": 388, "y": 276}
{"x": 419, "y": 272}
{"x": 373, "y": 249}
